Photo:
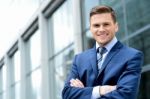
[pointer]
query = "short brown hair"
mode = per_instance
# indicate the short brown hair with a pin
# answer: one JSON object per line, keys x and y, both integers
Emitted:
{"x": 103, "y": 9}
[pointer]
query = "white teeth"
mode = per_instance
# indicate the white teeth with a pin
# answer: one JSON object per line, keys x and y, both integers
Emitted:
{"x": 102, "y": 34}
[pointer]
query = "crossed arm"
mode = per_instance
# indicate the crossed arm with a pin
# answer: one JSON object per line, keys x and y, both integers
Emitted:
{"x": 102, "y": 89}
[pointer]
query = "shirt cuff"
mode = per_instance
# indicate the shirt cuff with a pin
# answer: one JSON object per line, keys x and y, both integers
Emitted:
{"x": 95, "y": 93}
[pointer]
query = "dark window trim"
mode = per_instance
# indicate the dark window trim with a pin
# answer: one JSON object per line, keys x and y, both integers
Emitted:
{"x": 1, "y": 62}
{"x": 13, "y": 49}
{"x": 30, "y": 30}
{"x": 52, "y": 7}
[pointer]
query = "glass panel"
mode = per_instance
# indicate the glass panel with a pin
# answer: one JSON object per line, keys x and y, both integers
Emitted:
{"x": 138, "y": 14}
{"x": 12, "y": 90}
{"x": 1, "y": 96}
{"x": 17, "y": 91}
{"x": 63, "y": 27}
{"x": 34, "y": 85}
{"x": 29, "y": 87}
{"x": 17, "y": 66}
{"x": 88, "y": 5}
{"x": 141, "y": 42}
{"x": 145, "y": 86}
{"x": 4, "y": 95}
{"x": 89, "y": 42}
{"x": 63, "y": 63}
{"x": 1, "y": 80}
{"x": 35, "y": 50}
{"x": 4, "y": 77}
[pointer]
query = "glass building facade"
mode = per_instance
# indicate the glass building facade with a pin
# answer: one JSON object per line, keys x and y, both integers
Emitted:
{"x": 38, "y": 62}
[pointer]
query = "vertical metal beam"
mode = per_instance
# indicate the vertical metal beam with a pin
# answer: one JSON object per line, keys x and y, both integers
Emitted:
{"x": 125, "y": 20}
{"x": 77, "y": 25}
{"x": 9, "y": 77}
{"x": 47, "y": 88}
{"x": 24, "y": 66}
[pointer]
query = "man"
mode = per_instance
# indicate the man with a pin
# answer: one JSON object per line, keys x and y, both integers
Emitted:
{"x": 113, "y": 73}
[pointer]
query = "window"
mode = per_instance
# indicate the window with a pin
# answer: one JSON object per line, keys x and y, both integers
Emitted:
{"x": 17, "y": 75}
{"x": 17, "y": 71}
{"x": 4, "y": 81}
{"x": 141, "y": 42}
{"x": 63, "y": 26}
{"x": 137, "y": 16}
{"x": 34, "y": 73}
{"x": 35, "y": 50}
{"x": 63, "y": 44}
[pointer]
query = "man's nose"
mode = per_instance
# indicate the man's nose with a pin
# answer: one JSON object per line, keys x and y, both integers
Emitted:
{"x": 101, "y": 28}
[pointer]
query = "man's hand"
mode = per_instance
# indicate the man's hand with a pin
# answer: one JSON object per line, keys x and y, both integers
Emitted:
{"x": 76, "y": 83}
{"x": 102, "y": 89}
{"x": 106, "y": 89}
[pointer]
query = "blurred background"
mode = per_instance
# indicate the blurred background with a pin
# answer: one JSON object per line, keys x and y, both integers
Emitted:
{"x": 39, "y": 38}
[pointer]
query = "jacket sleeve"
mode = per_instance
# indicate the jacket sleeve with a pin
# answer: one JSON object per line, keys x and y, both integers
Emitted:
{"x": 128, "y": 83}
{"x": 69, "y": 92}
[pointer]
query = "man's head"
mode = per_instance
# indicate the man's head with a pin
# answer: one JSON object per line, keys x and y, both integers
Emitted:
{"x": 103, "y": 24}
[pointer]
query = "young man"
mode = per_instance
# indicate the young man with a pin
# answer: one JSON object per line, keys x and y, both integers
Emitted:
{"x": 110, "y": 70}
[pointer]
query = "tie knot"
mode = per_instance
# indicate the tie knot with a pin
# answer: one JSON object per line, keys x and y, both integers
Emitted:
{"x": 102, "y": 50}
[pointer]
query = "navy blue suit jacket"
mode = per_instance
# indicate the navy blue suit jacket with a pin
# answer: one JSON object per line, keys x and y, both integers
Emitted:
{"x": 122, "y": 67}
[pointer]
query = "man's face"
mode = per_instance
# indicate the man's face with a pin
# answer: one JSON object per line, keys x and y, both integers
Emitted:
{"x": 103, "y": 28}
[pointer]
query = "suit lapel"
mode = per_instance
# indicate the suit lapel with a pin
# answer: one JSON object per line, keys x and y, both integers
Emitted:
{"x": 112, "y": 53}
{"x": 92, "y": 60}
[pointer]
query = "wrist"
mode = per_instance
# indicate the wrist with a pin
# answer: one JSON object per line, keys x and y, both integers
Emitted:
{"x": 100, "y": 90}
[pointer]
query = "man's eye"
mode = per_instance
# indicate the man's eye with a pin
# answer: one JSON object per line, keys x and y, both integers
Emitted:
{"x": 96, "y": 25}
{"x": 105, "y": 24}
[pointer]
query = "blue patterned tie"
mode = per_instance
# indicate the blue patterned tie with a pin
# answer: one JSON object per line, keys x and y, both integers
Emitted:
{"x": 101, "y": 51}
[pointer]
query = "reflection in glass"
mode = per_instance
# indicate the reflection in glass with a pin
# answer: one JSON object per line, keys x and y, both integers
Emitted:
{"x": 4, "y": 81}
{"x": 35, "y": 50}
{"x": 17, "y": 71}
{"x": 1, "y": 82}
{"x": 36, "y": 84}
{"x": 63, "y": 26}
{"x": 17, "y": 91}
{"x": 137, "y": 16}
{"x": 4, "y": 95}
{"x": 4, "y": 78}
{"x": 88, "y": 5}
{"x": 62, "y": 68}
{"x": 17, "y": 75}
{"x": 141, "y": 42}
{"x": 1, "y": 96}
{"x": 89, "y": 40}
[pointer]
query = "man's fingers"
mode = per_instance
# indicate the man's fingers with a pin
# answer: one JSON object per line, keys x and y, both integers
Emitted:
{"x": 76, "y": 83}
{"x": 72, "y": 83}
{"x": 80, "y": 83}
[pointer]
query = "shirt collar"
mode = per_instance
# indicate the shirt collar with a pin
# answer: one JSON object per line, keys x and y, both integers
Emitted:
{"x": 109, "y": 45}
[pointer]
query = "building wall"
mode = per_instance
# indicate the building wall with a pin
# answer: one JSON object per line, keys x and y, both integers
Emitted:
{"x": 37, "y": 64}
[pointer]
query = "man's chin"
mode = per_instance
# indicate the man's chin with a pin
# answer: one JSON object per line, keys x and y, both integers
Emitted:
{"x": 102, "y": 43}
